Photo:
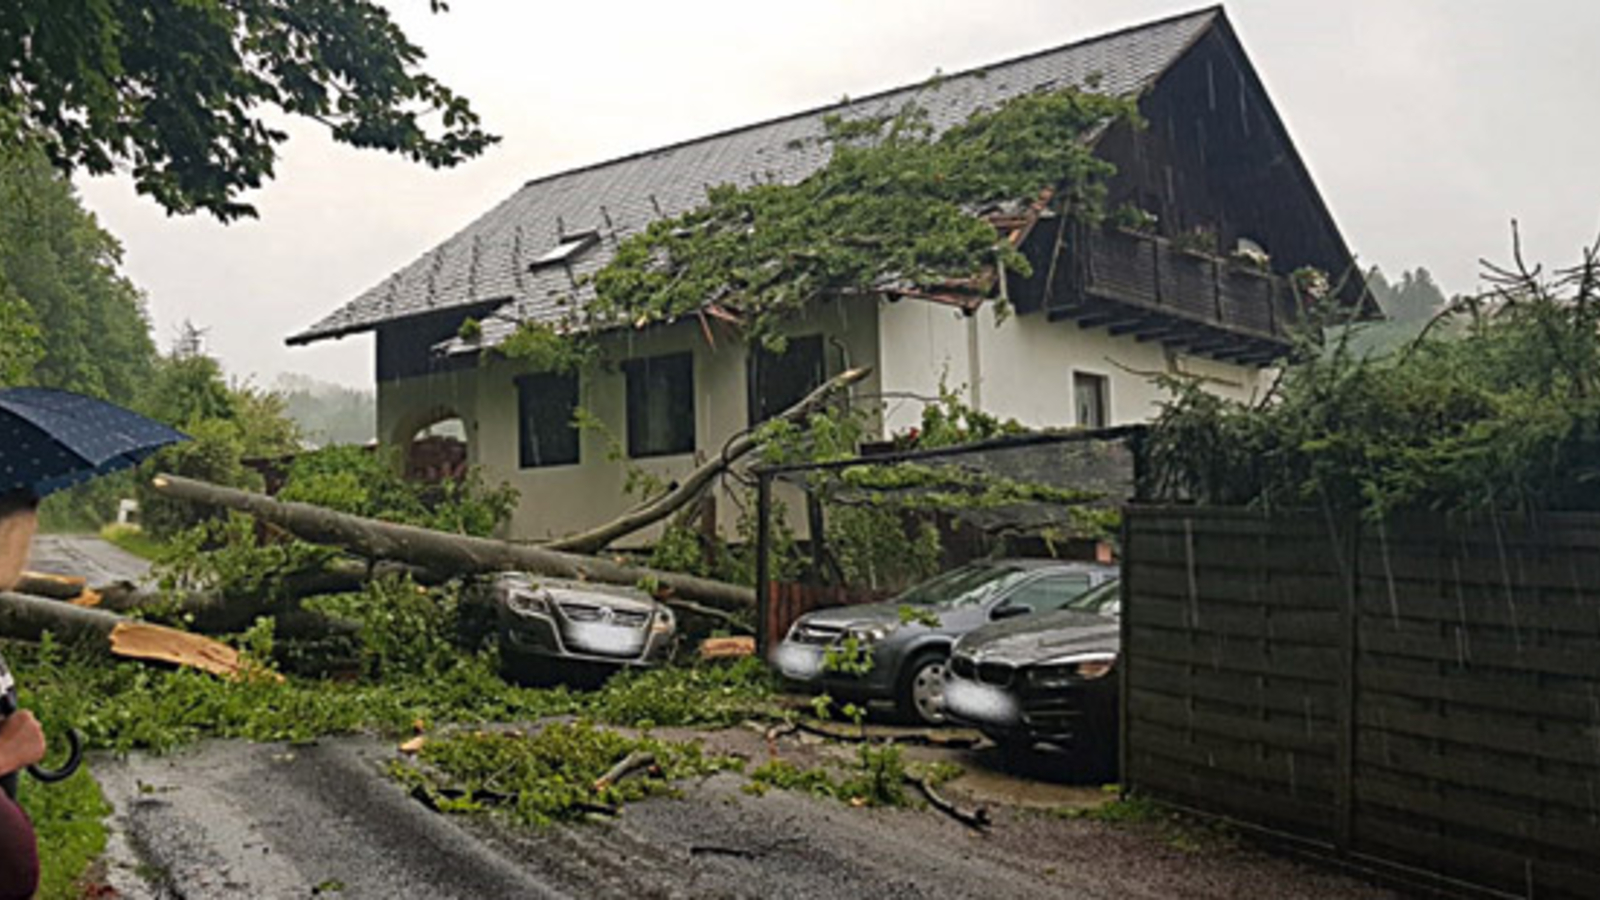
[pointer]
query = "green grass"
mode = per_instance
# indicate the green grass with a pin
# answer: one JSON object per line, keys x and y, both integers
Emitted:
{"x": 69, "y": 818}
{"x": 133, "y": 540}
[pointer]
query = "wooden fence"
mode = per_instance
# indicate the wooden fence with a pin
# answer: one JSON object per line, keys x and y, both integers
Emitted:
{"x": 1421, "y": 695}
{"x": 789, "y": 600}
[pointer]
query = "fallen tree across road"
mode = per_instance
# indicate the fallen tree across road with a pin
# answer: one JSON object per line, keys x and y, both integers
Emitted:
{"x": 442, "y": 552}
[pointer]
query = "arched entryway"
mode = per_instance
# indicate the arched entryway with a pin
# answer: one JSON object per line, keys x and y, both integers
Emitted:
{"x": 434, "y": 446}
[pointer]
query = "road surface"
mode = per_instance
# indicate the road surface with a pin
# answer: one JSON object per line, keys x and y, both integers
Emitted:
{"x": 236, "y": 820}
{"x": 86, "y": 556}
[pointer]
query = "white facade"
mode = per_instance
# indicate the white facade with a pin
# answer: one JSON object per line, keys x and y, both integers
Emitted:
{"x": 1021, "y": 368}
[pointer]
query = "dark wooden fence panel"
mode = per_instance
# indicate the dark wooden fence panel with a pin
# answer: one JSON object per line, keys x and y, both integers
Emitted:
{"x": 1235, "y": 666}
{"x": 1422, "y": 693}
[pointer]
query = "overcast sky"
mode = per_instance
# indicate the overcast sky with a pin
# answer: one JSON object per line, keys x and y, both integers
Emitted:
{"x": 1428, "y": 125}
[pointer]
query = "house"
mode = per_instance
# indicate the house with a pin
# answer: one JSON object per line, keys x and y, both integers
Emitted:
{"x": 1103, "y": 308}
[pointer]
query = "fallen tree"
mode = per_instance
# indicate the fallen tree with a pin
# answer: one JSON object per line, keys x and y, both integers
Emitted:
{"x": 597, "y": 538}
{"x": 28, "y": 618}
{"x": 442, "y": 552}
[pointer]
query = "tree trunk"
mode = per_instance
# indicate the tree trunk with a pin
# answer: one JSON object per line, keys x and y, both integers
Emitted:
{"x": 28, "y": 618}
{"x": 446, "y": 553}
{"x": 45, "y": 584}
{"x": 210, "y": 613}
{"x": 598, "y": 538}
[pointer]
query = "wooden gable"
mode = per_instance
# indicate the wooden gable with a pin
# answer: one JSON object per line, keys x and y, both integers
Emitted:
{"x": 1214, "y": 160}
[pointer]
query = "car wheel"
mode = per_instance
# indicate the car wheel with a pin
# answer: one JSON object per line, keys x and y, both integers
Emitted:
{"x": 922, "y": 689}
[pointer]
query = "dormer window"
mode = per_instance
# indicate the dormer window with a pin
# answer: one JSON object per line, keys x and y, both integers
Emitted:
{"x": 567, "y": 249}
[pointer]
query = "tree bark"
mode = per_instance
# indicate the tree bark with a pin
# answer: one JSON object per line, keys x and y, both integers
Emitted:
{"x": 28, "y": 618}
{"x": 46, "y": 584}
{"x": 211, "y": 613}
{"x": 442, "y": 552}
{"x": 596, "y": 539}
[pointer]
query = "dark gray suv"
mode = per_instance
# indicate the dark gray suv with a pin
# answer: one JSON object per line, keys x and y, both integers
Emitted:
{"x": 909, "y": 651}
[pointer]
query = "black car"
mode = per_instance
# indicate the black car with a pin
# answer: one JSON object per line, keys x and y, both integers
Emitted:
{"x": 908, "y": 653}
{"x": 1049, "y": 678}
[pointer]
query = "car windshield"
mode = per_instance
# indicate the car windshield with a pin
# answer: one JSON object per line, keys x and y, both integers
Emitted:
{"x": 1104, "y": 599}
{"x": 968, "y": 585}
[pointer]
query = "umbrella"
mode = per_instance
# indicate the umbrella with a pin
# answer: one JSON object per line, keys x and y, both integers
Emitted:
{"x": 52, "y": 439}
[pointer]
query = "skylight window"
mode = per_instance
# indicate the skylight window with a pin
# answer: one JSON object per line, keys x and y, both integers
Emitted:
{"x": 568, "y": 249}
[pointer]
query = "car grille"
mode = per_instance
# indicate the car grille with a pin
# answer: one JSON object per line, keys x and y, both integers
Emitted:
{"x": 592, "y": 612}
{"x": 995, "y": 673}
{"x": 815, "y": 634}
{"x": 1057, "y": 712}
{"x": 964, "y": 667}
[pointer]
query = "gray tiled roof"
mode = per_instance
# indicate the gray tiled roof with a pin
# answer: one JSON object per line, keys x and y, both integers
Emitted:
{"x": 488, "y": 260}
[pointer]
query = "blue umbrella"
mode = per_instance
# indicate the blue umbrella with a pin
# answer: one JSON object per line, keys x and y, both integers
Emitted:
{"x": 52, "y": 439}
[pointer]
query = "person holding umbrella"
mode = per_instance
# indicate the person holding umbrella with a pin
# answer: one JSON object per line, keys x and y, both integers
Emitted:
{"x": 22, "y": 741}
{"x": 49, "y": 440}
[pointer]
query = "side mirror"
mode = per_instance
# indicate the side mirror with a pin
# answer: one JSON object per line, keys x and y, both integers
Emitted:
{"x": 1009, "y": 612}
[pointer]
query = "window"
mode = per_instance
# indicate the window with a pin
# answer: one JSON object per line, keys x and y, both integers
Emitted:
{"x": 545, "y": 433}
{"x": 660, "y": 405}
{"x": 1090, "y": 393}
{"x": 780, "y": 380}
{"x": 1051, "y": 592}
{"x": 567, "y": 249}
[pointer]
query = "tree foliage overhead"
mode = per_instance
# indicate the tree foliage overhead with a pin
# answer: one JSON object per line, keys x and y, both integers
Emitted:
{"x": 176, "y": 90}
{"x": 1502, "y": 414}
{"x": 896, "y": 205}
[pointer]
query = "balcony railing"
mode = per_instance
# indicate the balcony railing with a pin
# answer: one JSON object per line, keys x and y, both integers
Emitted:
{"x": 1146, "y": 286}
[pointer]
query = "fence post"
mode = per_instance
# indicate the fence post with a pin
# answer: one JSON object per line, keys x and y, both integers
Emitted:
{"x": 1345, "y": 714}
{"x": 763, "y": 575}
{"x": 1124, "y": 654}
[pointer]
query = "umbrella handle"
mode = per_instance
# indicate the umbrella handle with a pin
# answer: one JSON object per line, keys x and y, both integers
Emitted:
{"x": 74, "y": 758}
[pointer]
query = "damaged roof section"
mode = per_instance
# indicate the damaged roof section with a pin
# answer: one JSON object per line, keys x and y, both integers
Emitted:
{"x": 522, "y": 251}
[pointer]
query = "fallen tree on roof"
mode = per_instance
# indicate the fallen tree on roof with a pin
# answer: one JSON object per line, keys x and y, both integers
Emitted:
{"x": 445, "y": 553}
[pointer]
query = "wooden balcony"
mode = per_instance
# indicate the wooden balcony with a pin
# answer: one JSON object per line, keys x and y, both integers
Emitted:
{"x": 1144, "y": 286}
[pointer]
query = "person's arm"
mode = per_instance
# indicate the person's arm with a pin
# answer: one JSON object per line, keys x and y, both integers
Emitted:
{"x": 21, "y": 741}
{"x": 19, "y": 519}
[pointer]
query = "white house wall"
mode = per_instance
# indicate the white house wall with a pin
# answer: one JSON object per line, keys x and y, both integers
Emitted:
{"x": 1023, "y": 368}
{"x": 558, "y": 500}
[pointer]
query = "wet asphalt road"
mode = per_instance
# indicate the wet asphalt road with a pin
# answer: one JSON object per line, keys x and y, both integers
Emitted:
{"x": 235, "y": 820}
{"x": 86, "y": 556}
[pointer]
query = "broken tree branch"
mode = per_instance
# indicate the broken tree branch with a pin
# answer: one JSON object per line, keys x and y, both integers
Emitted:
{"x": 28, "y": 618}
{"x": 635, "y": 761}
{"x": 443, "y": 552}
{"x": 598, "y": 538}
{"x": 977, "y": 819}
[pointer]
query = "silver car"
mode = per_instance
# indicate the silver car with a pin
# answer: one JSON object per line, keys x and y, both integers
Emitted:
{"x": 552, "y": 628}
{"x": 909, "y": 637}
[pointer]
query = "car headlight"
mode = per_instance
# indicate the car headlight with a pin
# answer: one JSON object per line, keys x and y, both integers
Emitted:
{"x": 663, "y": 623}
{"x": 528, "y": 603}
{"x": 1071, "y": 669}
{"x": 871, "y": 634}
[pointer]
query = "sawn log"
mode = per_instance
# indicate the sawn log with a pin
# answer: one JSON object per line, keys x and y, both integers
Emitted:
{"x": 27, "y": 618}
